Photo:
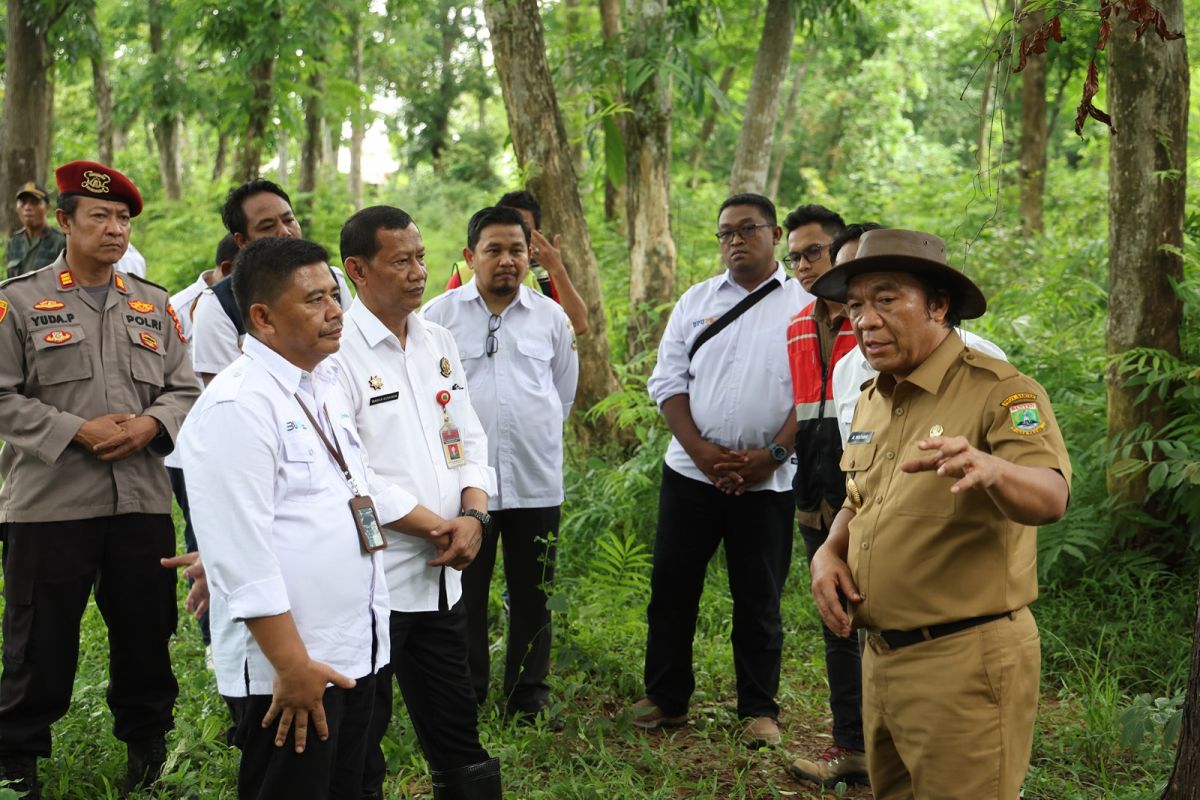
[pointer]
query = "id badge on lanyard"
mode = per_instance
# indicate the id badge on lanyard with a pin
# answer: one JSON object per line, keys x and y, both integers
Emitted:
{"x": 452, "y": 443}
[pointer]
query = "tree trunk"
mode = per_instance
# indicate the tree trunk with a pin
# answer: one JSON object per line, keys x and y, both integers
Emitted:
{"x": 758, "y": 122}
{"x": 648, "y": 184}
{"x": 983, "y": 145}
{"x": 167, "y": 124}
{"x": 779, "y": 155}
{"x": 706, "y": 129}
{"x": 1148, "y": 98}
{"x": 543, "y": 153}
{"x": 1033, "y": 130}
{"x": 610, "y": 29}
{"x": 310, "y": 152}
{"x": 1185, "y": 778}
{"x": 222, "y": 155}
{"x": 28, "y": 107}
{"x": 283, "y": 153}
{"x": 262, "y": 76}
{"x": 358, "y": 113}
{"x": 102, "y": 92}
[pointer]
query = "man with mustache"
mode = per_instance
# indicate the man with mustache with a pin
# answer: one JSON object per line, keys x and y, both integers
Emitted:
{"x": 519, "y": 355}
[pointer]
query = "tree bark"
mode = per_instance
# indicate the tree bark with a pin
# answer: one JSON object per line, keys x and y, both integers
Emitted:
{"x": 779, "y": 153}
{"x": 310, "y": 150}
{"x": 648, "y": 184}
{"x": 544, "y": 154}
{"x": 283, "y": 153}
{"x": 1033, "y": 130}
{"x": 358, "y": 113}
{"x": 262, "y": 76}
{"x": 167, "y": 124}
{"x": 25, "y": 123}
{"x": 1148, "y": 99}
{"x": 758, "y": 122}
{"x": 1185, "y": 777}
{"x": 102, "y": 92}
{"x": 706, "y": 129}
{"x": 222, "y": 155}
{"x": 610, "y": 29}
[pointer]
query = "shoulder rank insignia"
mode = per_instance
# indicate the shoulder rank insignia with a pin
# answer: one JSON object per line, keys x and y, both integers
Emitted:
{"x": 141, "y": 306}
{"x": 375, "y": 382}
{"x": 48, "y": 305}
{"x": 148, "y": 340}
{"x": 1024, "y": 416}
{"x": 65, "y": 279}
{"x": 120, "y": 283}
{"x": 57, "y": 337}
{"x": 96, "y": 182}
{"x": 444, "y": 366}
{"x": 3, "y": 309}
{"x": 178, "y": 326}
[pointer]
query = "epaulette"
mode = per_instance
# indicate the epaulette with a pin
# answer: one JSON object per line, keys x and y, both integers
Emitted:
{"x": 21, "y": 277}
{"x": 145, "y": 281}
{"x": 1002, "y": 369}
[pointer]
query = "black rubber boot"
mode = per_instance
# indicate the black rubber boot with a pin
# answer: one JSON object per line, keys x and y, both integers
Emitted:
{"x": 21, "y": 774}
{"x": 473, "y": 782}
{"x": 146, "y": 759}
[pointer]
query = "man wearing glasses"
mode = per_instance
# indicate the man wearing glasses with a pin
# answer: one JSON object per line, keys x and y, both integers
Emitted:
{"x": 723, "y": 385}
{"x": 518, "y": 352}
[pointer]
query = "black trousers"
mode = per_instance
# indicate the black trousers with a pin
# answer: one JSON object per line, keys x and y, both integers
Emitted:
{"x": 179, "y": 487}
{"x": 843, "y": 667}
{"x": 756, "y": 529}
{"x": 50, "y": 569}
{"x": 525, "y": 535}
{"x": 326, "y": 770}
{"x": 429, "y": 662}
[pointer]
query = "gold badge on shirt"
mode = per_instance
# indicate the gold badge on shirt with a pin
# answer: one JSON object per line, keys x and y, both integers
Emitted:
{"x": 375, "y": 382}
{"x": 444, "y": 366}
{"x": 936, "y": 430}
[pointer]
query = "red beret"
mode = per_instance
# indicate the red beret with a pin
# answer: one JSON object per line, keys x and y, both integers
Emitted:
{"x": 89, "y": 179}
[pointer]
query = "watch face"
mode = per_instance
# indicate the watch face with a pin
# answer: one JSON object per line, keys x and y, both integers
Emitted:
{"x": 778, "y": 452}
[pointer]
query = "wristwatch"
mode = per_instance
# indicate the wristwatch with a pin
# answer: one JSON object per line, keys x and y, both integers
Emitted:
{"x": 778, "y": 452}
{"x": 485, "y": 519}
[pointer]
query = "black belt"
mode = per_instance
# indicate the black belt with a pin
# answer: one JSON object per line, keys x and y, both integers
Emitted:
{"x": 898, "y": 639}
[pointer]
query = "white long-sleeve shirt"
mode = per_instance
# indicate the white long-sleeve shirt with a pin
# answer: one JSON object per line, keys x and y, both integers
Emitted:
{"x": 270, "y": 509}
{"x": 392, "y": 393}
{"x": 522, "y": 392}
{"x": 738, "y": 385}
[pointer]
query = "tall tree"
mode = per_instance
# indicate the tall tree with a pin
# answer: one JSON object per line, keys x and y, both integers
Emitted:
{"x": 101, "y": 89}
{"x": 310, "y": 149}
{"x": 1034, "y": 130}
{"x": 1148, "y": 98}
{"x": 544, "y": 154}
{"x": 779, "y": 154}
{"x": 1185, "y": 777}
{"x": 708, "y": 126}
{"x": 648, "y": 179}
{"x": 610, "y": 29}
{"x": 758, "y": 121}
{"x": 168, "y": 124}
{"x": 262, "y": 87}
{"x": 25, "y": 124}
{"x": 358, "y": 111}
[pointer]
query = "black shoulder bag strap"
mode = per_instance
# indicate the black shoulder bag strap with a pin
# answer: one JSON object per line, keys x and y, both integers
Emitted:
{"x": 223, "y": 291}
{"x": 732, "y": 314}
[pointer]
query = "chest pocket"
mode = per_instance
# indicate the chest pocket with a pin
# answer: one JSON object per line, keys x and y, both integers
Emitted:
{"x": 146, "y": 356}
{"x": 857, "y": 457}
{"x": 61, "y": 355}
{"x": 300, "y": 454}
{"x": 536, "y": 371}
{"x": 471, "y": 348}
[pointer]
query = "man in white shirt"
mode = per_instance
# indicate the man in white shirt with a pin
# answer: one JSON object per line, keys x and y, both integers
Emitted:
{"x": 276, "y": 498}
{"x": 255, "y": 210}
{"x": 405, "y": 386}
{"x": 727, "y": 477}
{"x": 519, "y": 353}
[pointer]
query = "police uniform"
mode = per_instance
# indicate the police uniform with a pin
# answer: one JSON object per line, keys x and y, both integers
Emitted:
{"x": 71, "y": 520}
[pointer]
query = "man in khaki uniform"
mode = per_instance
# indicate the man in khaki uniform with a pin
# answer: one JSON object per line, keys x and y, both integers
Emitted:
{"x": 36, "y": 244}
{"x": 94, "y": 384}
{"x": 953, "y": 458}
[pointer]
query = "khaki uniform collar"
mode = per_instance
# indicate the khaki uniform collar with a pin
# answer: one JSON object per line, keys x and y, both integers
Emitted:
{"x": 931, "y": 373}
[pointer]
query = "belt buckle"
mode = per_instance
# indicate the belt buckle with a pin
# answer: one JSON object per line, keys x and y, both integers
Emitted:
{"x": 876, "y": 637}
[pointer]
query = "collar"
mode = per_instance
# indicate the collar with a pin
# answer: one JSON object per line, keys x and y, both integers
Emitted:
{"x": 470, "y": 291}
{"x": 65, "y": 280}
{"x": 931, "y": 373}
{"x": 286, "y": 373}
{"x": 821, "y": 314}
{"x": 375, "y": 331}
{"x": 727, "y": 279}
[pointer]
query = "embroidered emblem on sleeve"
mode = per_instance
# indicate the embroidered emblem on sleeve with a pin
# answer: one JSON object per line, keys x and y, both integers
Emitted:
{"x": 1024, "y": 416}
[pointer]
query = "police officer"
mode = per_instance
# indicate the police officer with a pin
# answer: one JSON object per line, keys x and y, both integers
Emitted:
{"x": 94, "y": 384}
{"x": 952, "y": 461}
{"x": 36, "y": 244}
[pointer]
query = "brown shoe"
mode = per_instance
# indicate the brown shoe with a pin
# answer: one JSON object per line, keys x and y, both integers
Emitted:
{"x": 760, "y": 732}
{"x": 648, "y": 716}
{"x": 836, "y": 765}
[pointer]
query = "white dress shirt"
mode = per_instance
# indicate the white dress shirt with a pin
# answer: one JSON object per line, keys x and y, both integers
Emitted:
{"x": 181, "y": 303}
{"x": 739, "y": 386}
{"x": 400, "y": 422}
{"x": 854, "y": 370}
{"x": 522, "y": 393}
{"x": 132, "y": 262}
{"x": 215, "y": 340}
{"x": 270, "y": 508}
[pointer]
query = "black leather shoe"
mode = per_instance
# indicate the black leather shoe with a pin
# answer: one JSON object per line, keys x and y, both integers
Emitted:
{"x": 473, "y": 782}
{"x": 146, "y": 760}
{"x": 21, "y": 774}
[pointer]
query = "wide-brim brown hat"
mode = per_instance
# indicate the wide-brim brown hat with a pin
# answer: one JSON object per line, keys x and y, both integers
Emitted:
{"x": 914, "y": 252}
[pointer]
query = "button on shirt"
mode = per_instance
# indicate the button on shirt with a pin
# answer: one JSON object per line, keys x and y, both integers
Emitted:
{"x": 392, "y": 393}
{"x": 522, "y": 392}
{"x": 270, "y": 508}
{"x": 738, "y": 384}
{"x": 919, "y": 554}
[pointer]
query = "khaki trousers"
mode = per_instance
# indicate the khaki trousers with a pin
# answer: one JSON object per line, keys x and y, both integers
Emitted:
{"x": 952, "y": 718}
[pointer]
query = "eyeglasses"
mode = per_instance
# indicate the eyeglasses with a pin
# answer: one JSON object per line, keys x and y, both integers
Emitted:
{"x": 491, "y": 344}
{"x": 745, "y": 231}
{"x": 811, "y": 254}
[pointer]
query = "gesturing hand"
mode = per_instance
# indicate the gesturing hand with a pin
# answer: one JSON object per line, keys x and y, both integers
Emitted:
{"x": 954, "y": 457}
{"x": 298, "y": 697}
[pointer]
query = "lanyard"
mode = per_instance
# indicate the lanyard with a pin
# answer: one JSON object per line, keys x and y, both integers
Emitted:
{"x": 334, "y": 448}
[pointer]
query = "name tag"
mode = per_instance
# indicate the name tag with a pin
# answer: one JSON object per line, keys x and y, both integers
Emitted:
{"x": 860, "y": 437}
{"x": 383, "y": 398}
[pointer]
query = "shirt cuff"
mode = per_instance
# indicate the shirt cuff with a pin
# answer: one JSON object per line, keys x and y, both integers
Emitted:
{"x": 265, "y": 598}
{"x": 477, "y": 476}
{"x": 62, "y": 431}
{"x": 393, "y": 503}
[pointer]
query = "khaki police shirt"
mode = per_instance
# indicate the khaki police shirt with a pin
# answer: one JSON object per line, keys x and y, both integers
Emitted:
{"x": 919, "y": 554}
{"x": 65, "y": 360}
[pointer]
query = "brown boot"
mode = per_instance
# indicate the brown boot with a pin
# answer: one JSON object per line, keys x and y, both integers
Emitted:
{"x": 836, "y": 765}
